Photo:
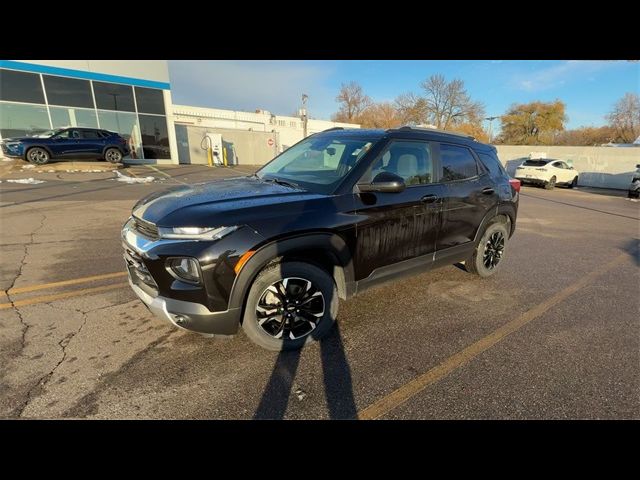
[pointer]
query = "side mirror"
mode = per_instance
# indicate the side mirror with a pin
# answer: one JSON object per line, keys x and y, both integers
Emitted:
{"x": 384, "y": 182}
{"x": 638, "y": 166}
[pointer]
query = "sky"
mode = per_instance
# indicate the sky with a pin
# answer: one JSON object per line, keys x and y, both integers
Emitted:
{"x": 589, "y": 88}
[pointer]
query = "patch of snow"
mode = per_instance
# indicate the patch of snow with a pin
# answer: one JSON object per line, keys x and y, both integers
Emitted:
{"x": 124, "y": 178}
{"x": 51, "y": 171}
{"x": 7, "y": 159}
{"x": 24, "y": 167}
{"x": 31, "y": 181}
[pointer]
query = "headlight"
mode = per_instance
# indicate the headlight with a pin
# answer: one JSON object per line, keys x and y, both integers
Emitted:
{"x": 184, "y": 268}
{"x": 195, "y": 233}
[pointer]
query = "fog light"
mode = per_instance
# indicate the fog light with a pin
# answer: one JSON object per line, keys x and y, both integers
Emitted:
{"x": 185, "y": 269}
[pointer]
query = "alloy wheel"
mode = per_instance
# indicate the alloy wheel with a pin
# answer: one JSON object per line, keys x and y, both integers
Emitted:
{"x": 114, "y": 156}
{"x": 38, "y": 156}
{"x": 493, "y": 250}
{"x": 290, "y": 308}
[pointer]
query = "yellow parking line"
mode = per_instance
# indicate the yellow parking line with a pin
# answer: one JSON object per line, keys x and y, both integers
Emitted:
{"x": 165, "y": 174}
{"x": 415, "y": 386}
{"x": 15, "y": 291}
{"x": 59, "y": 296}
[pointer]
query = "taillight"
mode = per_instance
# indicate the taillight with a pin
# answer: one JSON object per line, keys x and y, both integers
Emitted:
{"x": 515, "y": 183}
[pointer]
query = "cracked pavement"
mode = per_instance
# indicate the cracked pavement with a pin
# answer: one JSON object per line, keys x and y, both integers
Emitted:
{"x": 104, "y": 355}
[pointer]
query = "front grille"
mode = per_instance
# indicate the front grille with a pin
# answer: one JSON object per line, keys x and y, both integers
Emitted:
{"x": 147, "y": 229}
{"x": 139, "y": 273}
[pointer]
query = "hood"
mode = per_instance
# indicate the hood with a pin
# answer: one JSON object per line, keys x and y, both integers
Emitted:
{"x": 24, "y": 139}
{"x": 230, "y": 201}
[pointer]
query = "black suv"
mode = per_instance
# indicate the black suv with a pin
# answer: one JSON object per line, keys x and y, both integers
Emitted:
{"x": 337, "y": 213}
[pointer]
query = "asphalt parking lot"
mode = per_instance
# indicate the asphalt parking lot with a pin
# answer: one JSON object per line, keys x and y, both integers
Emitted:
{"x": 554, "y": 335}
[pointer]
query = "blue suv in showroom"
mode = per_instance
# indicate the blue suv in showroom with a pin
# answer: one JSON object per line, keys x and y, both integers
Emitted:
{"x": 67, "y": 142}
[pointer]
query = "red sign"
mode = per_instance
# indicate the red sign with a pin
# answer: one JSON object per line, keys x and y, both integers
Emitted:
{"x": 270, "y": 142}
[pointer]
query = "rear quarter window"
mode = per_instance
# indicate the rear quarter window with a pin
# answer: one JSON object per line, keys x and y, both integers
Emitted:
{"x": 493, "y": 164}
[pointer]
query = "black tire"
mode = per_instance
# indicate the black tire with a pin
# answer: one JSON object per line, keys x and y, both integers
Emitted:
{"x": 38, "y": 156}
{"x": 113, "y": 155}
{"x": 274, "y": 321}
{"x": 550, "y": 184}
{"x": 487, "y": 251}
{"x": 574, "y": 183}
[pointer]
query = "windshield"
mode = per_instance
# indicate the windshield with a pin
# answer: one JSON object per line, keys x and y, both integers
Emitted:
{"x": 48, "y": 133}
{"x": 316, "y": 164}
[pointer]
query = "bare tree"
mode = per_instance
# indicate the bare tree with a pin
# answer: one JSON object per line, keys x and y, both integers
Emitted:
{"x": 448, "y": 103}
{"x": 411, "y": 108}
{"x": 625, "y": 117}
{"x": 353, "y": 102}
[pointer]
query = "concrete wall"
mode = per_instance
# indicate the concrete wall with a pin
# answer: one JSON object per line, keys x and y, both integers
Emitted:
{"x": 603, "y": 167}
{"x": 252, "y": 148}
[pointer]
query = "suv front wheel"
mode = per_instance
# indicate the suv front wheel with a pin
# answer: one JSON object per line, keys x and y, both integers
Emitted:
{"x": 489, "y": 252}
{"x": 290, "y": 304}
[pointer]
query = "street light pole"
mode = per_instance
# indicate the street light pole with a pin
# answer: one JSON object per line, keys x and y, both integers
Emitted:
{"x": 491, "y": 119}
{"x": 304, "y": 115}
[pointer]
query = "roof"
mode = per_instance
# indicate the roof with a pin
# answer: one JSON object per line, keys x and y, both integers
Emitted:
{"x": 379, "y": 132}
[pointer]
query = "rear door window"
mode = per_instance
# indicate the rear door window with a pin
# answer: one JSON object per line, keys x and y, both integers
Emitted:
{"x": 90, "y": 134}
{"x": 457, "y": 163}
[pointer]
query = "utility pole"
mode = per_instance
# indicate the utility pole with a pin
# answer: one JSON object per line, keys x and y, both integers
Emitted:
{"x": 491, "y": 119}
{"x": 303, "y": 114}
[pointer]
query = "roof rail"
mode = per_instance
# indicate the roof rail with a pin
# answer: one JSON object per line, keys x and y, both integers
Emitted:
{"x": 435, "y": 130}
{"x": 333, "y": 128}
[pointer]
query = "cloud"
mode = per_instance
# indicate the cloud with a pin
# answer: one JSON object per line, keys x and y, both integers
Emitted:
{"x": 247, "y": 85}
{"x": 562, "y": 74}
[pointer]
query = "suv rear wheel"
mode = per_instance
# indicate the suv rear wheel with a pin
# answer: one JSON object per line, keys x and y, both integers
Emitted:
{"x": 489, "y": 252}
{"x": 113, "y": 155}
{"x": 289, "y": 305}
{"x": 551, "y": 183}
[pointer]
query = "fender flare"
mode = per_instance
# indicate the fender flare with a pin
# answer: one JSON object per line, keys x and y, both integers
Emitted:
{"x": 330, "y": 242}
{"x": 502, "y": 209}
{"x": 44, "y": 147}
{"x": 107, "y": 147}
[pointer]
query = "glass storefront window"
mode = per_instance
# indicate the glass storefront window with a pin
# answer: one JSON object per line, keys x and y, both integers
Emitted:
{"x": 112, "y": 96}
{"x": 155, "y": 138}
{"x": 73, "y": 117}
{"x": 20, "y": 120}
{"x": 70, "y": 92}
{"x": 149, "y": 100}
{"x": 20, "y": 87}
{"x": 126, "y": 124}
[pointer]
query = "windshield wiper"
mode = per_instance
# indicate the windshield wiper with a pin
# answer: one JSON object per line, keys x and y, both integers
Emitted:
{"x": 286, "y": 183}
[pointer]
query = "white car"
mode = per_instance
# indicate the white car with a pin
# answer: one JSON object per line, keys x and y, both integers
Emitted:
{"x": 547, "y": 172}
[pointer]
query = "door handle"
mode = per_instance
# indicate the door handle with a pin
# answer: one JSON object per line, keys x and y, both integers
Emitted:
{"x": 429, "y": 198}
{"x": 488, "y": 190}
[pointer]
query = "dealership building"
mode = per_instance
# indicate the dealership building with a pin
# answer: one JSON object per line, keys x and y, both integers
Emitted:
{"x": 133, "y": 98}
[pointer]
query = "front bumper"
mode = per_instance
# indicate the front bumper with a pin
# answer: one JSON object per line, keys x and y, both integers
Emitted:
{"x": 189, "y": 315}
{"x": 14, "y": 151}
{"x": 202, "y": 308}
